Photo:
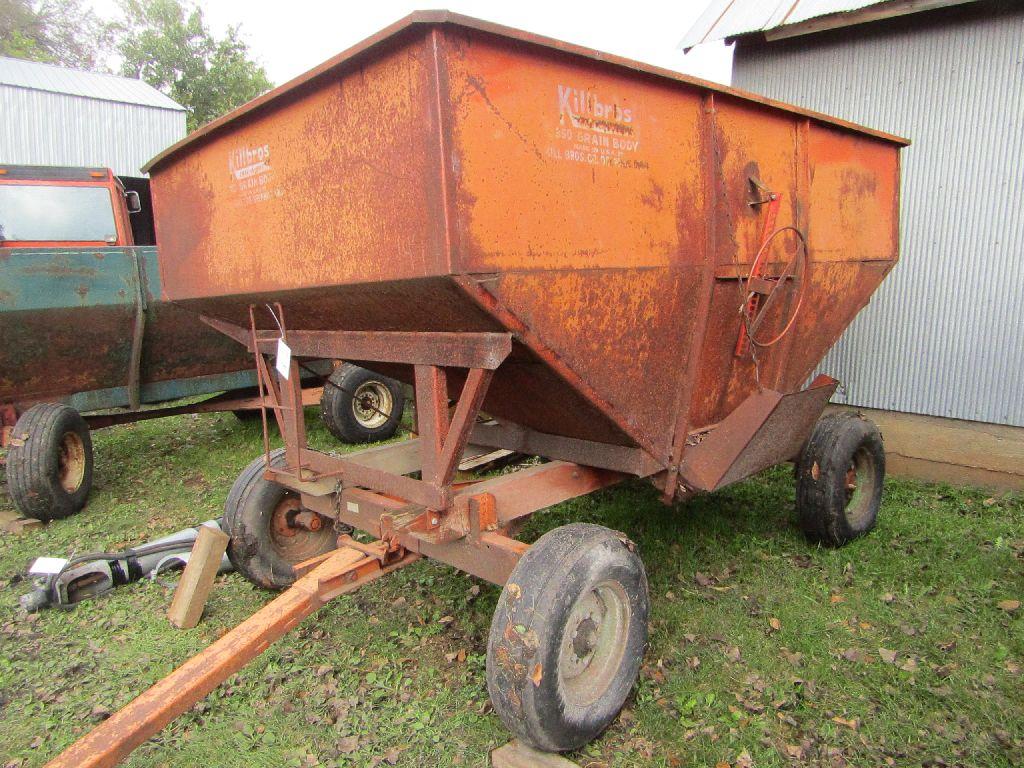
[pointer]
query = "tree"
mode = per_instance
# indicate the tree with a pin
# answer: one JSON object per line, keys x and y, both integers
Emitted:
{"x": 167, "y": 44}
{"x": 55, "y": 31}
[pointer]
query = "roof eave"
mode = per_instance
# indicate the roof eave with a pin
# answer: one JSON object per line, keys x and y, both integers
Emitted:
{"x": 876, "y": 12}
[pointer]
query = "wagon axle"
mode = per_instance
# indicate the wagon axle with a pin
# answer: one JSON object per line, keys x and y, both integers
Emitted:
{"x": 570, "y": 628}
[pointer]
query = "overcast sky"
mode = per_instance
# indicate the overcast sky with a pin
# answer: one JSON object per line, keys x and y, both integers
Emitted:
{"x": 291, "y": 36}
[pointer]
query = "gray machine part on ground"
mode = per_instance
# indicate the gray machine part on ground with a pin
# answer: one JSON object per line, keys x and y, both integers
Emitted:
{"x": 89, "y": 575}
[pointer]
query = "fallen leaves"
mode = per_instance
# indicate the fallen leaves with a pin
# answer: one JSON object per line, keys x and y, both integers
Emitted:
{"x": 888, "y": 656}
{"x": 774, "y": 625}
{"x": 852, "y": 723}
{"x": 910, "y": 665}
{"x": 348, "y": 745}
{"x": 1010, "y": 606}
{"x": 714, "y": 581}
{"x": 796, "y": 658}
{"x": 537, "y": 675}
{"x": 855, "y": 655}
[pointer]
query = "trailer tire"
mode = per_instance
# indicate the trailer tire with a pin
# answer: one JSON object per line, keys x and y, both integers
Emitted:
{"x": 360, "y": 406}
{"x": 49, "y": 464}
{"x": 556, "y": 676}
{"x": 255, "y": 517}
{"x": 840, "y": 474}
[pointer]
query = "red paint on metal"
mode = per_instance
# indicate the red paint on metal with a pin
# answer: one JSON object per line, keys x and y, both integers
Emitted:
{"x": 111, "y": 742}
{"x": 542, "y": 192}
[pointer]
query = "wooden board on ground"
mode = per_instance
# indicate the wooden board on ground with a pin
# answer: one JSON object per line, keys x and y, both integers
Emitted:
{"x": 515, "y": 754}
{"x": 12, "y": 522}
{"x": 197, "y": 579}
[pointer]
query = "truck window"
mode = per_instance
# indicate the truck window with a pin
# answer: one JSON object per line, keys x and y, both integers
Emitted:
{"x": 56, "y": 213}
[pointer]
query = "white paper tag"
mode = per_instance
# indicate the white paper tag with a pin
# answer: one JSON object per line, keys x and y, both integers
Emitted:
{"x": 44, "y": 566}
{"x": 284, "y": 358}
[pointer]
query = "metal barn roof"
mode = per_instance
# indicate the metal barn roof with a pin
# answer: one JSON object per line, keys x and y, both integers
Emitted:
{"x": 49, "y": 77}
{"x": 724, "y": 19}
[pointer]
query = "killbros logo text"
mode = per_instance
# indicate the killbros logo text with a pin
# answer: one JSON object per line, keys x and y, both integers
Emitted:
{"x": 596, "y": 130}
{"x": 251, "y": 172}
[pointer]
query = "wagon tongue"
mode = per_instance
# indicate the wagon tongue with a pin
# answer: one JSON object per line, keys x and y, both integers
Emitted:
{"x": 326, "y": 577}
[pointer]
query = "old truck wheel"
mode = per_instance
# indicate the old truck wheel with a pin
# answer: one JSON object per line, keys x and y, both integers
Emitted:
{"x": 270, "y": 531}
{"x": 839, "y": 479}
{"x": 568, "y": 636}
{"x": 49, "y": 464}
{"x": 359, "y": 406}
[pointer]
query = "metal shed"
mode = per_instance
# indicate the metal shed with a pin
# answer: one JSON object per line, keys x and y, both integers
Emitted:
{"x": 51, "y": 115}
{"x": 943, "y": 336}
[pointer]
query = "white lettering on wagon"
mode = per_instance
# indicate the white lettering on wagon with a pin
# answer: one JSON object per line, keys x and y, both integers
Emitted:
{"x": 595, "y": 130}
{"x": 251, "y": 173}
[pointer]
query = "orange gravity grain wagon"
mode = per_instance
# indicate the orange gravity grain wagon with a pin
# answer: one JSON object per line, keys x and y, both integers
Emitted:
{"x": 631, "y": 272}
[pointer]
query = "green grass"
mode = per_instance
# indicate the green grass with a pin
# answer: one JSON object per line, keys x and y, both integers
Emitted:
{"x": 379, "y": 671}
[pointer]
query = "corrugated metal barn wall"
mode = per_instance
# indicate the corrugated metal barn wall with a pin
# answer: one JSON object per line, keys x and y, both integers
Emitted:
{"x": 945, "y": 333}
{"x": 45, "y": 128}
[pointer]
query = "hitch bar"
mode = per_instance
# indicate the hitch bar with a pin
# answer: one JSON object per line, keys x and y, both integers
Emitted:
{"x": 344, "y": 570}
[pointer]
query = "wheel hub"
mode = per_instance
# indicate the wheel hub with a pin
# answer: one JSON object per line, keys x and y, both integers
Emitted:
{"x": 372, "y": 404}
{"x": 859, "y": 486}
{"x": 297, "y": 533}
{"x": 282, "y": 521}
{"x": 593, "y": 642}
{"x": 71, "y": 462}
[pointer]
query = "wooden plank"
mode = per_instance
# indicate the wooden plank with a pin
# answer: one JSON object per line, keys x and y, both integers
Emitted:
{"x": 12, "y": 522}
{"x": 197, "y": 579}
{"x": 516, "y": 754}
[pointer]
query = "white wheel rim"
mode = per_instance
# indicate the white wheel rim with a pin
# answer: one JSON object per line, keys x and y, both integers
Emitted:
{"x": 594, "y": 642}
{"x": 372, "y": 404}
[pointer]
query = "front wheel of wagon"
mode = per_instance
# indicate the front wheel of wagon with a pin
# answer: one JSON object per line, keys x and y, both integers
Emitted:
{"x": 270, "y": 531}
{"x": 359, "y": 406}
{"x": 49, "y": 464}
{"x": 840, "y": 474}
{"x": 568, "y": 636}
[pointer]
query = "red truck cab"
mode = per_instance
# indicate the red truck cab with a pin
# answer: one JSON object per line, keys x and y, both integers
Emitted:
{"x": 47, "y": 206}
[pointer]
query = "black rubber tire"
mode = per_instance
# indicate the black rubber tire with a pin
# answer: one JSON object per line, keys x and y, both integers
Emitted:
{"x": 524, "y": 677}
{"x": 34, "y": 463}
{"x": 828, "y": 510}
{"x": 248, "y": 513}
{"x": 337, "y": 405}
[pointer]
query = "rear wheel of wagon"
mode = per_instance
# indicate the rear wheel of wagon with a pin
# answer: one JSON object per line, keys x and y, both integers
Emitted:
{"x": 270, "y": 531}
{"x": 840, "y": 474}
{"x": 568, "y": 636}
{"x": 359, "y": 406}
{"x": 49, "y": 464}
